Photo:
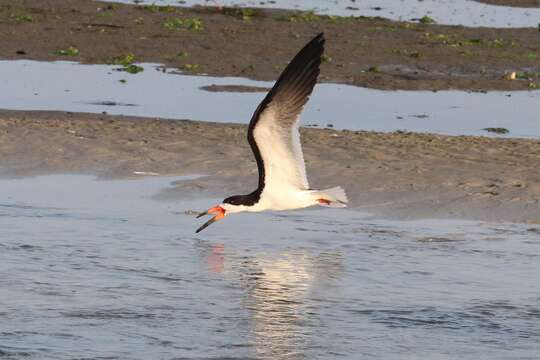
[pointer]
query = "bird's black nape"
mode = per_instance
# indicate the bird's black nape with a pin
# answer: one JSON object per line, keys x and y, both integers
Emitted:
{"x": 234, "y": 200}
{"x": 246, "y": 200}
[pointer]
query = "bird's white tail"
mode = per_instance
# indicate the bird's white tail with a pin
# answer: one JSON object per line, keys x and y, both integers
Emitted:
{"x": 333, "y": 197}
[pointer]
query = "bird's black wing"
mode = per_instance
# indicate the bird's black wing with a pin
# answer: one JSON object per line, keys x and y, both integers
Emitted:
{"x": 273, "y": 130}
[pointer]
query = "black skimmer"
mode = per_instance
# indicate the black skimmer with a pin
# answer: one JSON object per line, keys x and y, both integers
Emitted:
{"x": 275, "y": 141}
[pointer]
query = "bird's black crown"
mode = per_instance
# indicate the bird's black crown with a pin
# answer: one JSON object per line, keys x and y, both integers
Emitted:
{"x": 247, "y": 200}
{"x": 234, "y": 200}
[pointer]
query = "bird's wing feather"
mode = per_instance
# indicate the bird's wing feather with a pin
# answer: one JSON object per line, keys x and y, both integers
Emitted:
{"x": 273, "y": 131}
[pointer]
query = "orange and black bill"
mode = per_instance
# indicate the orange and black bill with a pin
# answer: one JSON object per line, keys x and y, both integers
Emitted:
{"x": 220, "y": 214}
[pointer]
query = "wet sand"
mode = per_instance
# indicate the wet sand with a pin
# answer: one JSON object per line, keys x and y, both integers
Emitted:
{"x": 257, "y": 44}
{"x": 400, "y": 175}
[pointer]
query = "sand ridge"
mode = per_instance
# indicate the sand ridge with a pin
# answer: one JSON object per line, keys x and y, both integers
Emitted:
{"x": 402, "y": 175}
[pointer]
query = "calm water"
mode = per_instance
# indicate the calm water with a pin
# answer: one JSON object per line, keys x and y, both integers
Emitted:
{"x": 70, "y": 86}
{"x": 98, "y": 269}
{"x": 452, "y": 12}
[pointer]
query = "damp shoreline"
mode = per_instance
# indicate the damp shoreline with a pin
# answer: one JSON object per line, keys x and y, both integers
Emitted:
{"x": 400, "y": 175}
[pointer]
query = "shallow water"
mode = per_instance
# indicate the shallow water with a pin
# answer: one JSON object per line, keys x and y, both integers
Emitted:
{"x": 98, "y": 269}
{"x": 96, "y": 88}
{"x": 451, "y": 12}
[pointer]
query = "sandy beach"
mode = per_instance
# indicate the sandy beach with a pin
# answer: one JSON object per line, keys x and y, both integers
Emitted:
{"x": 400, "y": 175}
{"x": 365, "y": 51}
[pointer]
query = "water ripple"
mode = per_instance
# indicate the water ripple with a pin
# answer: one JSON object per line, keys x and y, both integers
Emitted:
{"x": 255, "y": 287}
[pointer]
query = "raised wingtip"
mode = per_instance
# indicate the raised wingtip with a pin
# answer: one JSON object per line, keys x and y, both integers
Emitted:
{"x": 319, "y": 38}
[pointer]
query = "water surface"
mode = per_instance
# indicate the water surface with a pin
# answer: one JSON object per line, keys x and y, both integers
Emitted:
{"x": 450, "y": 12}
{"x": 98, "y": 269}
{"x": 74, "y": 87}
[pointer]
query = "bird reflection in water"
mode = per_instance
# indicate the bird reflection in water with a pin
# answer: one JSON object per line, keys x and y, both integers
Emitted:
{"x": 281, "y": 292}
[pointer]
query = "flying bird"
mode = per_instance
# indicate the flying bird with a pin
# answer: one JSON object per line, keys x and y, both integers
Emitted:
{"x": 275, "y": 141}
